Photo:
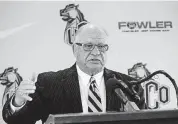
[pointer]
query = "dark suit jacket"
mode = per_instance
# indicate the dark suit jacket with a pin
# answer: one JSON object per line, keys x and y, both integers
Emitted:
{"x": 59, "y": 93}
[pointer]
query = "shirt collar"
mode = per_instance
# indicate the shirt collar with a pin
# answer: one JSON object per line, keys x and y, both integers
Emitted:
{"x": 97, "y": 77}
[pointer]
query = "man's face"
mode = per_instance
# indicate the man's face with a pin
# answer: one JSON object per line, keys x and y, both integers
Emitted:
{"x": 92, "y": 60}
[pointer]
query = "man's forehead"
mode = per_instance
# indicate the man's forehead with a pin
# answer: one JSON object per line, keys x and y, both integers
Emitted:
{"x": 92, "y": 33}
{"x": 94, "y": 41}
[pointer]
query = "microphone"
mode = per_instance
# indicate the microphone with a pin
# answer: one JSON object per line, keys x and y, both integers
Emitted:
{"x": 113, "y": 83}
{"x": 119, "y": 87}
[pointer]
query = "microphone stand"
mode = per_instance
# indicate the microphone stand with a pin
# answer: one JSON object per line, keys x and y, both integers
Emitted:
{"x": 129, "y": 106}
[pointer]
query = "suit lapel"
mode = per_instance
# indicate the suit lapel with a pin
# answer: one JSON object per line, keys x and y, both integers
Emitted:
{"x": 72, "y": 84}
{"x": 112, "y": 102}
{"x": 107, "y": 75}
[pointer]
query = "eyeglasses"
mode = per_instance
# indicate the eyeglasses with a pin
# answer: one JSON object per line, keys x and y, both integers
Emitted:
{"x": 90, "y": 47}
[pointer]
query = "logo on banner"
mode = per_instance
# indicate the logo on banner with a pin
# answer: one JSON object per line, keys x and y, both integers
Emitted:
{"x": 11, "y": 79}
{"x": 75, "y": 19}
{"x": 156, "y": 94}
{"x": 145, "y": 26}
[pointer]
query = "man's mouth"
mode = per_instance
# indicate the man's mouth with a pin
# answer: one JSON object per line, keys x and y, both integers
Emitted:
{"x": 94, "y": 60}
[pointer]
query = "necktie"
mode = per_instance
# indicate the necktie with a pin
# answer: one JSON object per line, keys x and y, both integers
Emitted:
{"x": 94, "y": 99}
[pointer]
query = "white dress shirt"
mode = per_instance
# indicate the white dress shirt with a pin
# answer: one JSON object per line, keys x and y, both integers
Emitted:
{"x": 84, "y": 88}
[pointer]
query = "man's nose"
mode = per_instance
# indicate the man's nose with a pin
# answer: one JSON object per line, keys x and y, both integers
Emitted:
{"x": 95, "y": 51}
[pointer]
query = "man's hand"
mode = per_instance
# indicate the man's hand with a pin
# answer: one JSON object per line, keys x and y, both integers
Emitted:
{"x": 25, "y": 88}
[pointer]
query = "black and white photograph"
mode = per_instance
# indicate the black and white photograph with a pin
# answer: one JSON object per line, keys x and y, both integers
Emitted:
{"x": 100, "y": 62}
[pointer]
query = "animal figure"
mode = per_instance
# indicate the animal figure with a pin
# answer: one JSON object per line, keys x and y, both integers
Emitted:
{"x": 75, "y": 19}
{"x": 11, "y": 79}
{"x": 139, "y": 71}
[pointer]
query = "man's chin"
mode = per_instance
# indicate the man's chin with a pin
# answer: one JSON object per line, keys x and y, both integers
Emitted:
{"x": 94, "y": 66}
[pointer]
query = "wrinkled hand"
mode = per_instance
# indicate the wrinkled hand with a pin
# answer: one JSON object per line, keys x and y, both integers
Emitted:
{"x": 25, "y": 88}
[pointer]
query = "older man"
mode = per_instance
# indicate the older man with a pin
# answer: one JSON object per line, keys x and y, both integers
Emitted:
{"x": 80, "y": 88}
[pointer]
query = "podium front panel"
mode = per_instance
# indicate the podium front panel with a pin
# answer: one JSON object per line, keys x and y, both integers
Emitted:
{"x": 139, "y": 117}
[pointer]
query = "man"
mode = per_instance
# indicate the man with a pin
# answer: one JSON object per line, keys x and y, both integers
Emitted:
{"x": 80, "y": 88}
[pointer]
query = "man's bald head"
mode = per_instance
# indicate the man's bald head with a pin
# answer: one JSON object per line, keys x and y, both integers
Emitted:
{"x": 90, "y": 32}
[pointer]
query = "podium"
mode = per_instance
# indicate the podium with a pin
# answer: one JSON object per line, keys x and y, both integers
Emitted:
{"x": 138, "y": 117}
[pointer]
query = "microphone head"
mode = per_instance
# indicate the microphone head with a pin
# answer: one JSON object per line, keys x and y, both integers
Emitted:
{"x": 112, "y": 84}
